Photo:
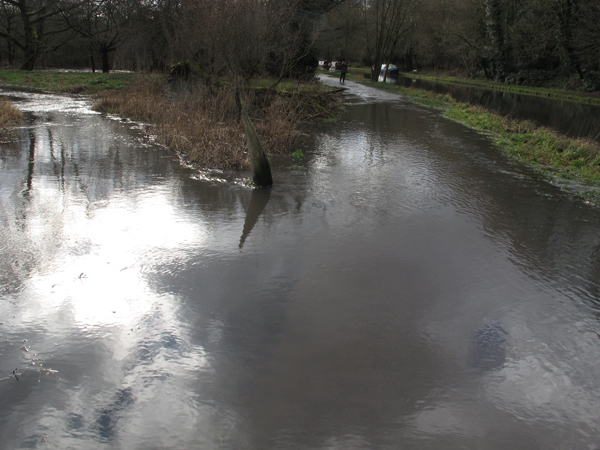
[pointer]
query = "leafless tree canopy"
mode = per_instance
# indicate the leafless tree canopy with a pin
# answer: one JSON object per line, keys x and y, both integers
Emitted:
{"x": 520, "y": 41}
{"x": 247, "y": 37}
{"x": 516, "y": 41}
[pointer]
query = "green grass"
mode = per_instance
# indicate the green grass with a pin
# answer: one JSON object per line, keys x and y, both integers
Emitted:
{"x": 64, "y": 82}
{"x": 287, "y": 86}
{"x": 298, "y": 155}
{"x": 545, "y": 150}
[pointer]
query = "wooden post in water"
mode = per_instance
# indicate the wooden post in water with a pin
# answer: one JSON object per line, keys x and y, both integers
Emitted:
{"x": 261, "y": 168}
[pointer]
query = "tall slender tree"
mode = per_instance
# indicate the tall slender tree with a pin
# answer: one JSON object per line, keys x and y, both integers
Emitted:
{"x": 102, "y": 23}
{"x": 567, "y": 17}
{"x": 32, "y": 37}
{"x": 386, "y": 21}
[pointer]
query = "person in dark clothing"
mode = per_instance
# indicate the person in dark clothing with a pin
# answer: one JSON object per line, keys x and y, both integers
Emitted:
{"x": 343, "y": 71}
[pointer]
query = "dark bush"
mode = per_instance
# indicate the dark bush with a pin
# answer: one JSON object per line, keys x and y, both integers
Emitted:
{"x": 591, "y": 81}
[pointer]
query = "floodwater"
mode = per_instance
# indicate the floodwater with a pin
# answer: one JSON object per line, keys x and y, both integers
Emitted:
{"x": 410, "y": 289}
{"x": 570, "y": 118}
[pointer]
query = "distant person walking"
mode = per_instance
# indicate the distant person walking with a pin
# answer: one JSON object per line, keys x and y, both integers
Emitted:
{"x": 343, "y": 72}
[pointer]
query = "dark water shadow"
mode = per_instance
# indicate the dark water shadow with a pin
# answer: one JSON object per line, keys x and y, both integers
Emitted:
{"x": 488, "y": 350}
{"x": 110, "y": 416}
{"x": 258, "y": 202}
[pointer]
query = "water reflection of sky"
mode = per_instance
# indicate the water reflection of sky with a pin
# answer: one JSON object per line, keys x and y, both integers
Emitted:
{"x": 389, "y": 294}
{"x": 109, "y": 352}
{"x": 100, "y": 267}
{"x": 45, "y": 103}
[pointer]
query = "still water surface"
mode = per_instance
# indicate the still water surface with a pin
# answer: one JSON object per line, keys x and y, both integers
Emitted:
{"x": 411, "y": 289}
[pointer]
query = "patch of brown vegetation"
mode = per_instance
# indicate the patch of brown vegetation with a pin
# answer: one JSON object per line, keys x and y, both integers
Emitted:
{"x": 202, "y": 121}
{"x": 9, "y": 117}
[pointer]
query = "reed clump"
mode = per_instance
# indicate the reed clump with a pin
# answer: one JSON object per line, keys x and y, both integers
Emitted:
{"x": 10, "y": 117}
{"x": 201, "y": 119}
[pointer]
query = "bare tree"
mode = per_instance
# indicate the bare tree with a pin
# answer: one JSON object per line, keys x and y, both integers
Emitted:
{"x": 587, "y": 34}
{"x": 386, "y": 21}
{"x": 341, "y": 32}
{"x": 32, "y": 37}
{"x": 102, "y": 23}
{"x": 242, "y": 37}
{"x": 567, "y": 15}
{"x": 9, "y": 17}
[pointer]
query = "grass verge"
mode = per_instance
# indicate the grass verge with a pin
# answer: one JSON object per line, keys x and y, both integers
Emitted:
{"x": 64, "y": 82}
{"x": 200, "y": 120}
{"x": 558, "y": 158}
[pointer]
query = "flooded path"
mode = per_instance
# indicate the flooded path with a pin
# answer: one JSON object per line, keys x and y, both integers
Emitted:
{"x": 410, "y": 289}
{"x": 574, "y": 119}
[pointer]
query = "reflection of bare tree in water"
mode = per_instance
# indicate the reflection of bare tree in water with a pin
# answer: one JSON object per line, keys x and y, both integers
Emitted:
{"x": 58, "y": 164}
{"x": 18, "y": 261}
{"x": 594, "y": 285}
{"x": 258, "y": 201}
{"x": 30, "y": 165}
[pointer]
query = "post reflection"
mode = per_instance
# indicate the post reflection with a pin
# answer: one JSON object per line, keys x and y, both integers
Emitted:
{"x": 258, "y": 201}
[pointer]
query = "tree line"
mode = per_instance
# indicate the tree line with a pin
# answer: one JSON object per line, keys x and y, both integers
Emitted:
{"x": 515, "y": 41}
{"x": 246, "y": 37}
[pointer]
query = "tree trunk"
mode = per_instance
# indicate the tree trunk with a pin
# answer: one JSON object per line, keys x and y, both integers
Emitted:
{"x": 10, "y": 45}
{"x": 494, "y": 32}
{"x": 29, "y": 47}
{"x": 261, "y": 168}
{"x": 408, "y": 58}
{"x": 30, "y": 58}
{"x": 92, "y": 60}
{"x": 105, "y": 63}
{"x": 565, "y": 11}
{"x": 11, "y": 53}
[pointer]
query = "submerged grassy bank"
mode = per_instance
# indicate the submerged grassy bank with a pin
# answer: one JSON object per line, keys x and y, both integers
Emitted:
{"x": 563, "y": 160}
{"x": 53, "y": 82}
{"x": 201, "y": 119}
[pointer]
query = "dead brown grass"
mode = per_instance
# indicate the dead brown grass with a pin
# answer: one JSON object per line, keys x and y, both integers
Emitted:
{"x": 9, "y": 117}
{"x": 201, "y": 121}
